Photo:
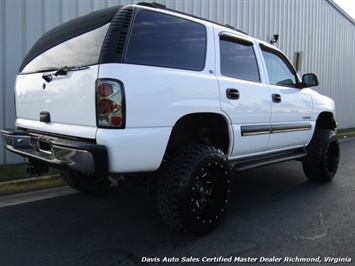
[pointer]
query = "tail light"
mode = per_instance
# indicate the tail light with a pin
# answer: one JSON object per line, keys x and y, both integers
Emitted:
{"x": 110, "y": 103}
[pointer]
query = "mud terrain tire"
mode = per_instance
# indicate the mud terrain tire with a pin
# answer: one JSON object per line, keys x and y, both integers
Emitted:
{"x": 322, "y": 160}
{"x": 193, "y": 190}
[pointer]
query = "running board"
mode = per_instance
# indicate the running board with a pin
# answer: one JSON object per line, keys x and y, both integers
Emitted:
{"x": 254, "y": 162}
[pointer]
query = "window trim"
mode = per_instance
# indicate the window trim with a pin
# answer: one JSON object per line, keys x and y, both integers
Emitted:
{"x": 226, "y": 36}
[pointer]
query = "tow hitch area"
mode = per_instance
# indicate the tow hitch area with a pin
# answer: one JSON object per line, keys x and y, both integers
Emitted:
{"x": 45, "y": 146}
{"x": 36, "y": 168}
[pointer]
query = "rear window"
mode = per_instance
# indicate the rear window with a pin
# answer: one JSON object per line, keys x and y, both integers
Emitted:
{"x": 77, "y": 42}
{"x": 83, "y": 50}
{"x": 162, "y": 40}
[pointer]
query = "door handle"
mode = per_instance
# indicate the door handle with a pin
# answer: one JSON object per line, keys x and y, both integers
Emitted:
{"x": 276, "y": 98}
{"x": 232, "y": 94}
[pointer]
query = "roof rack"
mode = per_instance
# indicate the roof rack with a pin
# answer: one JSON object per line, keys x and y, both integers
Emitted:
{"x": 158, "y": 5}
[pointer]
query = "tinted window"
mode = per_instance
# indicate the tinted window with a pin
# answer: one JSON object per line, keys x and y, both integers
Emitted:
{"x": 238, "y": 60}
{"x": 67, "y": 31}
{"x": 162, "y": 40}
{"x": 83, "y": 50}
{"x": 278, "y": 68}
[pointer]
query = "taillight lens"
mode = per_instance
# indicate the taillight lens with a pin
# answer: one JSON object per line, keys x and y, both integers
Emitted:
{"x": 106, "y": 90}
{"x": 110, "y": 103}
{"x": 107, "y": 106}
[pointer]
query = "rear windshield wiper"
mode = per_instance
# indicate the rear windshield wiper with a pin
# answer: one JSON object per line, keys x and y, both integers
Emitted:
{"x": 62, "y": 71}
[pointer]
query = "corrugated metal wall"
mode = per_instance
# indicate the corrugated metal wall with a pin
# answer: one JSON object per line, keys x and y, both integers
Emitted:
{"x": 324, "y": 34}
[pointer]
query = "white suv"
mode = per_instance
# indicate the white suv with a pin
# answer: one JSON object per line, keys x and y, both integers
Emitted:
{"x": 145, "y": 89}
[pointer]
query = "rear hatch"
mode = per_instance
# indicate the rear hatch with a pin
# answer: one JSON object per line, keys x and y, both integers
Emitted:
{"x": 55, "y": 87}
{"x": 65, "y": 105}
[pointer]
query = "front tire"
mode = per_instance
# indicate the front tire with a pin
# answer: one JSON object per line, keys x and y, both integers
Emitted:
{"x": 322, "y": 160}
{"x": 193, "y": 190}
{"x": 84, "y": 183}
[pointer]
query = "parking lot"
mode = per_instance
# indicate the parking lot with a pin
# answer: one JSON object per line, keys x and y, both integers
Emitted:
{"x": 277, "y": 217}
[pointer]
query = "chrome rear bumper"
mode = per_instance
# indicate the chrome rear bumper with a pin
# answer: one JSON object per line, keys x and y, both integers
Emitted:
{"x": 58, "y": 152}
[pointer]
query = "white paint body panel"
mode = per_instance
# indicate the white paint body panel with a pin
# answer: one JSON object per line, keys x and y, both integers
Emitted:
{"x": 88, "y": 132}
{"x": 134, "y": 149}
{"x": 158, "y": 97}
{"x": 295, "y": 106}
{"x": 69, "y": 99}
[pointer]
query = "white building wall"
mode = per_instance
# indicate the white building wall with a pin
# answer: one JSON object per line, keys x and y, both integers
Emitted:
{"x": 318, "y": 28}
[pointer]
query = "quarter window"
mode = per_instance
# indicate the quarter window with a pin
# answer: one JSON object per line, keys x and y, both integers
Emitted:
{"x": 162, "y": 40}
{"x": 238, "y": 59}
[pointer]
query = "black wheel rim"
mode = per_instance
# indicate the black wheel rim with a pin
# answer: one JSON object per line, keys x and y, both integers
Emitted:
{"x": 209, "y": 195}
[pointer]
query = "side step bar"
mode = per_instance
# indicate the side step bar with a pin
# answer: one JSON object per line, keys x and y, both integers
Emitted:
{"x": 249, "y": 163}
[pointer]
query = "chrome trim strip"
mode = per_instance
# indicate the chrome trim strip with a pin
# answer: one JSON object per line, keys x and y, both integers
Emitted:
{"x": 255, "y": 130}
{"x": 281, "y": 128}
{"x": 274, "y": 128}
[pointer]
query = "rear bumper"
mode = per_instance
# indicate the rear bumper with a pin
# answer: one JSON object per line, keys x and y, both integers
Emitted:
{"x": 58, "y": 152}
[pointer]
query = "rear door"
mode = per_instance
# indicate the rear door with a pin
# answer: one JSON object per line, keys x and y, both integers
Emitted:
{"x": 244, "y": 97}
{"x": 65, "y": 105}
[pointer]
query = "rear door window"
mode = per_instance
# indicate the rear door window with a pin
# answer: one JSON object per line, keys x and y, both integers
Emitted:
{"x": 238, "y": 59}
{"x": 159, "y": 39}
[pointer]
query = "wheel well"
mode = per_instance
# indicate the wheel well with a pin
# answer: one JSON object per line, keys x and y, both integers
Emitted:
{"x": 205, "y": 128}
{"x": 326, "y": 120}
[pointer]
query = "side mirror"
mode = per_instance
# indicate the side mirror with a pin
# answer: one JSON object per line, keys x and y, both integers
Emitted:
{"x": 309, "y": 80}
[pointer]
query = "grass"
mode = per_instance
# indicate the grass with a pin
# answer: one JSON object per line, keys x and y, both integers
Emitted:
{"x": 347, "y": 132}
{"x": 11, "y": 172}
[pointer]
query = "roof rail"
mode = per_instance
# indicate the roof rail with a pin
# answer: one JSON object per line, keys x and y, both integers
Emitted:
{"x": 158, "y": 5}
{"x": 230, "y": 26}
{"x": 233, "y": 28}
{"x": 153, "y": 4}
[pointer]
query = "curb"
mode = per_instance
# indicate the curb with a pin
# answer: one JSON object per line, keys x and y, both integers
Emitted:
{"x": 28, "y": 184}
{"x": 346, "y": 135}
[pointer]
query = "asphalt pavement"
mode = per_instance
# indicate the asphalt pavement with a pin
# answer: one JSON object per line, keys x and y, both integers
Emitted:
{"x": 277, "y": 217}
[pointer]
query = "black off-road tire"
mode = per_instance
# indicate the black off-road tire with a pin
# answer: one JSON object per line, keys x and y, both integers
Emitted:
{"x": 84, "y": 183}
{"x": 193, "y": 189}
{"x": 322, "y": 160}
